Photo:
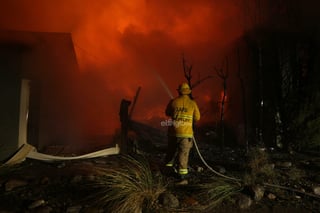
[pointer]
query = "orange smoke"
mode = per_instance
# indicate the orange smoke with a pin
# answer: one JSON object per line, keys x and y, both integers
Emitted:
{"x": 120, "y": 45}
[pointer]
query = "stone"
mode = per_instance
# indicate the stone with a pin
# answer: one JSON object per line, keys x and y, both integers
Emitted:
{"x": 43, "y": 209}
{"x": 61, "y": 165}
{"x": 77, "y": 179}
{"x": 44, "y": 181}
{"x": 74, "y": 209}
{"x": 317, "y": 178}
{"x": 36, "y": 204}
{"x": 221, "y": 169}
{"x": 168, "y": 200}
{"x": 190, "y": 201}
{"x": 199, "y": 169}
{"x": 90, "y": 178}
{"x": 244, "y": 201}
{"x": 14, "y": 183}
{"x": 285, "y": 164}
{"x": 271, "y": 196}
{"x": 316, "y": 190}
{"x": 182, "y": 182}
{"x": 257, "y": 192}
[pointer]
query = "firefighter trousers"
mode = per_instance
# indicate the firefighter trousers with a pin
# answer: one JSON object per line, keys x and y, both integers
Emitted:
{"x": 178, "y": 152}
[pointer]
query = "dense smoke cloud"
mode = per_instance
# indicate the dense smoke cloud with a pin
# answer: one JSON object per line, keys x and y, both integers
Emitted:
{"x": 121, "y": 45}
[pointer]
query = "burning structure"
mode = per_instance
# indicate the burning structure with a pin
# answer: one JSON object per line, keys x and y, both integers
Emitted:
{"x": 37, "y": 90}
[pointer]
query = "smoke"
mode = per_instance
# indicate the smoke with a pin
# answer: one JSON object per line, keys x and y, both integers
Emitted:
{"x": 120, "y": 45}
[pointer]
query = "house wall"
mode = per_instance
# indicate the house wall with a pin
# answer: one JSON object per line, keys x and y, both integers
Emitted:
{"x": 51, "y": 66}
{"x": 49, "y": 62}
{"x": 10, "y": 88}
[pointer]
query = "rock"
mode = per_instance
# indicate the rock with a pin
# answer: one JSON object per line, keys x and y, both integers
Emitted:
{"x": 36, "y": 204}
{"x": 257, "y": 192}
{"x": 316, "y": 164}
{"x": 317, "y": 178}
{"x": 44, "y": 180}
{"x": 221, "y": 169}
{"x": 316, "y": 190}
{"x": 244, "y": 201}
{"x": 43, "y": 209}
{"x": 90, "y": 178}
{"x": 190, "y": 201}
{"x": 92, "y": 209}
{"x": 61, "y": 165}
{"x": 271, "y": 196}
{"x": 77, "y": 179}
{"x": 200, "y": 169}
{"x": 285, "y": 164}
{"x": 271, "y": 165}
{"x": 74, "y": 209}
{"x": 14, "y": 183}
{"x": 100, "y": 161}
{"x": 168, "y": 200}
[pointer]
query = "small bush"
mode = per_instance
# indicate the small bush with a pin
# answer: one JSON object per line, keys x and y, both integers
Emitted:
{"x": 260, "y": 170}
{"x": 130, "y": 187}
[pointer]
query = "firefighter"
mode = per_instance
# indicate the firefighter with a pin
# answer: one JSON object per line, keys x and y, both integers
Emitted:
{"x": 183, "y": 112}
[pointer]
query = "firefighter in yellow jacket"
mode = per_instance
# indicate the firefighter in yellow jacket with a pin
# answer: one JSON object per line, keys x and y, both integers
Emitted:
{"x": 183, "y": 112}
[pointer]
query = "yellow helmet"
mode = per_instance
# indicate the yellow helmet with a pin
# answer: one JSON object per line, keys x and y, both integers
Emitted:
{"x": 184, "y": 89}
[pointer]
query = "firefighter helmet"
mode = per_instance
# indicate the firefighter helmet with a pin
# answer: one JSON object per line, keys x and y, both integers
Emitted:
{"x": 184, "y": 89}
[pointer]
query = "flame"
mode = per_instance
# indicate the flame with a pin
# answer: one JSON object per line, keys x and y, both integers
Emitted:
{"x": 122, "y": 43}
{"x": 223, "y": 97}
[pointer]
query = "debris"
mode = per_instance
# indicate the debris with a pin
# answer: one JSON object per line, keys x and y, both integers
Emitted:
{"x": 168, "y": 200}
{"x": 182, "y": 182}
{"x": 14, "y": 183}
{"x": 271, "y": 196}
{"x": 286, "y": 164}
{"x": 199, "y": 169}
{"x": 258, "y": 192}
{"x": 74, "y": 209}
{"x": 190, "y": 201}
{"x": 316, "y": 190}
{"x": 221, "y": 169}
{"x": 244, "y": 201}
{"x": 36, "y": 204}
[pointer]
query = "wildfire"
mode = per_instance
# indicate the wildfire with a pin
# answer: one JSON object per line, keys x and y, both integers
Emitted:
{"x": 120, "y": 42}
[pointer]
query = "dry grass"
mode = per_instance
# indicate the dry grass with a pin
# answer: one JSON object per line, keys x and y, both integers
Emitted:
{"x": 130, "y": 187}
{"x": 214, "y": 191}
{"x": 260, "y": 169}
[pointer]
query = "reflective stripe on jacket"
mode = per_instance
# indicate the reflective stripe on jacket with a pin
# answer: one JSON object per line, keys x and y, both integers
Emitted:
{"x": 183, "y": 111}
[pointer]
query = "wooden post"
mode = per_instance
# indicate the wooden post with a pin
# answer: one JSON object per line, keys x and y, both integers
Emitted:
{"x": 124, "y": 119}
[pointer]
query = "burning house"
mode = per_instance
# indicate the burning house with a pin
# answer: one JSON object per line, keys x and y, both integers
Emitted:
{"x": 37, "y": 90}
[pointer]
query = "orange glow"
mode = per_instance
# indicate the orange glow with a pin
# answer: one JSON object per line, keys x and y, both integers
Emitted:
{"x": 120, "y": 45}
{"x": 223, "y": 97}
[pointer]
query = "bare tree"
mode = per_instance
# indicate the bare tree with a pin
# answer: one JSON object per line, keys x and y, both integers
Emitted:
{"x": 187, "y": 70}
{"x": 244, "y": 106}
{"x": 223, "y": 74}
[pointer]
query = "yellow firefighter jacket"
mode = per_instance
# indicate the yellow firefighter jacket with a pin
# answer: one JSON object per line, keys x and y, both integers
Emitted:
{"x": 183, "y": 111}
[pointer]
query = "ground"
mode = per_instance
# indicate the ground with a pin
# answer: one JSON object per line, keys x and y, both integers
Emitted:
{"x": 35, "y": 186}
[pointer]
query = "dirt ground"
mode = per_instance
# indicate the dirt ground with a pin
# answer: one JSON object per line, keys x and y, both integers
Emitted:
{"x": 35, "y": 186}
